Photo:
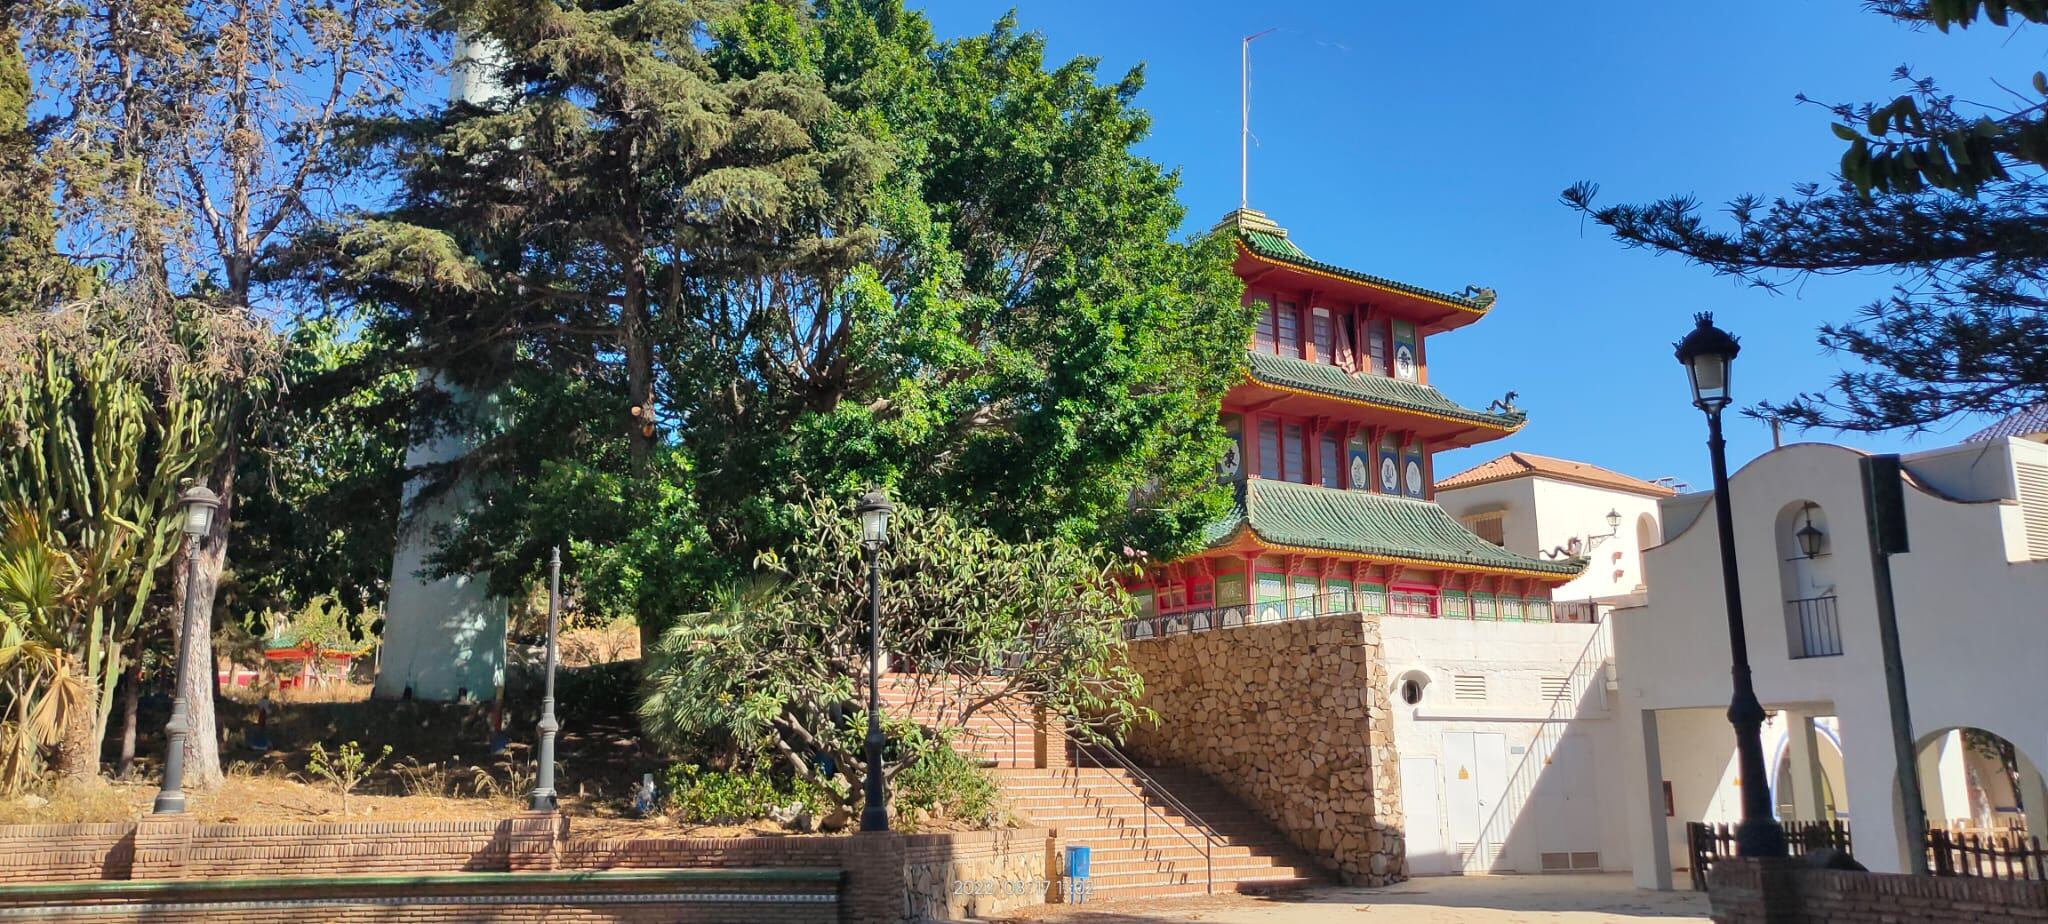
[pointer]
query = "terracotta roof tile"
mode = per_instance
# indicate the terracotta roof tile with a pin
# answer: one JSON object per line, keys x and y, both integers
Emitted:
{"x": 1529, "y": 464}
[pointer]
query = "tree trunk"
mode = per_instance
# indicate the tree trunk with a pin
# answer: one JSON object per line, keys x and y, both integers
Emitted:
{"x": 131, "y": 701}
{"x": 78, "y": 752}
{"x": 202, "y": 744}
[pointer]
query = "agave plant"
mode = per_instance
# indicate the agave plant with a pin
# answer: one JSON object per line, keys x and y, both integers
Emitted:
{"x": 44, "y": 691}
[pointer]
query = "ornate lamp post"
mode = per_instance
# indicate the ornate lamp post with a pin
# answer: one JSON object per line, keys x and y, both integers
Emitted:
{"x": 1707, "y": 354}
{"x": 196, "y": 508}
{"x": 874, "y": 511}
{"x": 544, "y": 778}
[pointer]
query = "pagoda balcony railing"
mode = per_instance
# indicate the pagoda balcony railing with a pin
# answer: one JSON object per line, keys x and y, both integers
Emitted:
{"x": 1203, "y": 619}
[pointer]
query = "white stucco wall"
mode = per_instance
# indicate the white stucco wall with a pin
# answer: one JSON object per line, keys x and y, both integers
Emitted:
{"x": 1969, "y": 610}
{"x": 1543, "y": 514}
{"x": 1515, "y": 659}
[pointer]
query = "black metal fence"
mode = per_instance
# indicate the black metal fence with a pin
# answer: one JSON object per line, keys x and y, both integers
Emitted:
{"x": 1986, "y": 856}
{"x": 1364, "y": 599}
{"x": 1709, "y": 842}
{"x": 1818, "y": 630}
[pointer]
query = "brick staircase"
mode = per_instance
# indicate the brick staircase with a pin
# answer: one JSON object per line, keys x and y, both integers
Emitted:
{"x": 999, "y": 735}
{"x": 1145, "y": 847}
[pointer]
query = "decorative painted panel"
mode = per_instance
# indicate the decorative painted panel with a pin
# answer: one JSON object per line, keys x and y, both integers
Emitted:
{"x": 1231, "y": 466}
{"x": 1230, "y": 590}
{"x": 1272, "y": 603}
{"x": 1389, "y": 481}
{"x": 1404, "y": 351}
{"x": 1412, "y": 481}
{"x": 1304, "y": 602}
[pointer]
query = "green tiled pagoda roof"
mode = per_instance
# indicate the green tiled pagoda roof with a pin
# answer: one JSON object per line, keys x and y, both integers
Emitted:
{"x": 1323, "y": 379}
{"x": 1282, "y": 513}
{"x": 1278, "y": 247}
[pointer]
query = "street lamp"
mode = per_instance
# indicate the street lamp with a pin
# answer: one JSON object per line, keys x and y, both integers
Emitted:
{"x": 196, "y": 508}
{"x": 1808, "y": 536}
{"x": 874, "y": 511}
{"x": 1707, "y": 353}
{"x": 543, "y": 799}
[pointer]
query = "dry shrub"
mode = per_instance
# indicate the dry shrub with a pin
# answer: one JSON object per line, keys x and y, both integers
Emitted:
{"x": 71, "y": 801}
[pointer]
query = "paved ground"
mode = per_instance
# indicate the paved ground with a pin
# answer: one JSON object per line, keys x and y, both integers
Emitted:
{"x": 1581, "y": 899}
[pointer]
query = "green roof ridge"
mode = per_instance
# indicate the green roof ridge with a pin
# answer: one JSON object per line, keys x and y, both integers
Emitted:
{"x": 1324, "y": 379}
{"x": 1276, "y": 247}
{"x": 1362, "y": 522}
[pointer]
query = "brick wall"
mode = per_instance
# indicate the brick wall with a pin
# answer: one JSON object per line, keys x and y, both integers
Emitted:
{"x": 57, "y": 853}
{"x": 767, "y": 896}
{"x": 1782, "y": 891}
{"x": 1292, "y": 718}
{"x": 154, "y": 868}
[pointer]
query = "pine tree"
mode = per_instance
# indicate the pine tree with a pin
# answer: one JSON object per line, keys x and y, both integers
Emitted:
{"x": 1948, "y": 195}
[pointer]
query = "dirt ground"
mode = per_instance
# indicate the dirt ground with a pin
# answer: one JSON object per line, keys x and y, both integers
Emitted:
{"x": 1575, "y": 899}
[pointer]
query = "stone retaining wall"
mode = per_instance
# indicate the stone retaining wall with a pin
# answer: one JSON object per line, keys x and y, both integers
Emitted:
{"x": 1293, "y": 719}
{"x": 952, "y": 877}
{"x": 1784, "y": 891}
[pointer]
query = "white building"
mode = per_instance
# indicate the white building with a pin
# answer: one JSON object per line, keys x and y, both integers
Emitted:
{"x": 1504, "y": 728}
{"x": 1537, "y": 505}
{"x": 1969, "y": 598}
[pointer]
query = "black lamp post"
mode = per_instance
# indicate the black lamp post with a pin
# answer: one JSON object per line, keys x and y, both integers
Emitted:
{"x": 1708, "y": 353}
{"x": 874, "y": 513}
{"x": 544, "y": 778}
{"x": 196, "y": 507}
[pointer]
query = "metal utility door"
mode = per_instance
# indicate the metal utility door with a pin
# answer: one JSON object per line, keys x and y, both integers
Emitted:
{"x": 1428, "y": 855}
{"x": 1475, "y": 772}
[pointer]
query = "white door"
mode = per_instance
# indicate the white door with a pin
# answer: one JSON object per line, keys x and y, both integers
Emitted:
{"x": 1475, "y": 771}
{"x": 1427, "y": 853}
{"x": 1563, "y": 816}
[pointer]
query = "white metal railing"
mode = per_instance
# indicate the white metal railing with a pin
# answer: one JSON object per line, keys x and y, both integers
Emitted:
{"x": 1588, "y": 674}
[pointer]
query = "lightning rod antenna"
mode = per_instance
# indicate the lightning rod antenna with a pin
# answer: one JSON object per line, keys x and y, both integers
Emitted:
{"x": 1244, "y": 134}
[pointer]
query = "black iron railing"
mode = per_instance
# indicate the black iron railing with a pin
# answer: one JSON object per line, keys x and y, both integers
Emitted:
{"x": 1142, "y": 787}
{"x": 1707, "y": 843}
{"x": 1817, "y": 632}
{"x": 1202, "y": 619}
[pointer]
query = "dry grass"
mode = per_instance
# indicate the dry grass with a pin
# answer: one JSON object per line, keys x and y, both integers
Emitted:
{"x": 69, "y": 802}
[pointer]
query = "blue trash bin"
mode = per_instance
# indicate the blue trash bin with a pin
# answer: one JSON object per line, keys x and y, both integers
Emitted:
{"x": 1077, "y": 873}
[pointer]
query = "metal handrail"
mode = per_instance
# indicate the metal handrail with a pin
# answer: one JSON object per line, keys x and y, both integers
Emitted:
{"x": 1147, "y": 809}
{"x": 1309, "y": 606}
{"x": 1591, "y": 663}
{"x": 1819, "y": 627}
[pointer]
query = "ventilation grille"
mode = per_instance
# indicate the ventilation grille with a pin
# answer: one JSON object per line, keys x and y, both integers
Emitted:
{"x": 1469, "y": 686}
{"x": 2033, "y": 480}
{"x": 1556, "y": 688}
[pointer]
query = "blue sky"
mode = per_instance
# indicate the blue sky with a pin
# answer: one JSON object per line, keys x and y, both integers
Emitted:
{"x": 1429, "y": 143}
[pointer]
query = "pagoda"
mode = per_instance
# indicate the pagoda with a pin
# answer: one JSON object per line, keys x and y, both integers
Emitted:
{"x": 1333, "y": 429}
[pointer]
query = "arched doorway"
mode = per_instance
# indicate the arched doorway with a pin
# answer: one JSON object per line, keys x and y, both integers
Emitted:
{"x": 1833, "y": 804}
{"x": 1976, "y": 781}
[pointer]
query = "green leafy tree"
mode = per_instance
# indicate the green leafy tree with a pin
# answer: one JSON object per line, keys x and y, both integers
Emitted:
{"x": 780, "y": 671}
{"x": 1945, "y": 193}
{"x": 821, "y": 251}
{"x": 107, "y": 410}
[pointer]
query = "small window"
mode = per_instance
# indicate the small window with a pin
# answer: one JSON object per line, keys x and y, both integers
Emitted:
{"x": 1511, "y": 609}
{"x": 1376, "y": 347}
{"x": 1539, "y": 610}
{"x": 1411, "y": 603}
{"x": 1482, "y": 606}
{"x": 1296, "y": 471}
{"x": 1332, "y": 460}
{"x": 1262, "y": 338}
{"x": 1453, "y": 605}
{"x": 1490, "y": 528}
{"x": 1411, "y": 692}
{"x": 1289, "y": 326}
{"x": 1469, "y": 687}
{"x": 1556, "y": 688}
{"x": 1269, "y": 449}
{"x": 1325, "y": 334}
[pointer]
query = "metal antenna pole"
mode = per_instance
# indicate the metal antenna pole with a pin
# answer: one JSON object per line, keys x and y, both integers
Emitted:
{"x": 1244, "y": 133}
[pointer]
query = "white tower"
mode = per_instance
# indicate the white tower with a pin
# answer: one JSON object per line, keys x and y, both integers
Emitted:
{"x": 444, "y": 638}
